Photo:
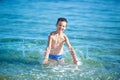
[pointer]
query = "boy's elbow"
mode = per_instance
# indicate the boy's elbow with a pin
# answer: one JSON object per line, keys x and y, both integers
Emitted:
{"x": 48, "y": 48}
{"x": 71, "y": 48}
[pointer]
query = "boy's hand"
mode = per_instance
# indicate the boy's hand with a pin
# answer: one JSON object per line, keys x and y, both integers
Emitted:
{"x": 45, "y": 61}
{"x": 76, "y": 62}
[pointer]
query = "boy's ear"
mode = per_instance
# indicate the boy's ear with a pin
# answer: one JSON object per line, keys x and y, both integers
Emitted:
{"x": 66, "y": 27}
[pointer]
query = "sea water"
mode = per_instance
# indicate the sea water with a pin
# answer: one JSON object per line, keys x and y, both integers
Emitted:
{"x": 93, "y": 30}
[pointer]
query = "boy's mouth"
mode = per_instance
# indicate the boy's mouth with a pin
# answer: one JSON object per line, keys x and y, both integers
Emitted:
{"x": 61, "y": 29}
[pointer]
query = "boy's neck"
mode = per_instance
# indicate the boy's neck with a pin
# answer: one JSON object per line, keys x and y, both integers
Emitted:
{"x": 59, "y": 33}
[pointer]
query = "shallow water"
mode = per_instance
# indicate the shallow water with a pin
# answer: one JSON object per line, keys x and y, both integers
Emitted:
{"x": 93, "y": 30}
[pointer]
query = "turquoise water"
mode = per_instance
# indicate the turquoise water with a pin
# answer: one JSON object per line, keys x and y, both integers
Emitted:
{"x": 93, "y": 30}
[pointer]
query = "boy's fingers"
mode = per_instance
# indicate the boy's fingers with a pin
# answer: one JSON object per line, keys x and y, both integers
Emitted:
{"x": 45, "y": 62}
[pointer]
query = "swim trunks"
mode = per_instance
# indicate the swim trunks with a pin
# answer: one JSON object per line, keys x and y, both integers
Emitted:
{"x": 55, "y": 57}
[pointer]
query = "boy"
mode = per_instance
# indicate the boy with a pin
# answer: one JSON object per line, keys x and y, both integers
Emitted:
{"x": 54, "y": 50}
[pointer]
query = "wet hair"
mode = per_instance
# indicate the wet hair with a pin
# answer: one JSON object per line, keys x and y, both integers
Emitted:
{"x": 61, "y": 19}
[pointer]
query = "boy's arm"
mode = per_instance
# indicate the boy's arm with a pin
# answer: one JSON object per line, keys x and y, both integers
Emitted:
{"x": 71, "y": 50}
{"x": 46, "y": 56}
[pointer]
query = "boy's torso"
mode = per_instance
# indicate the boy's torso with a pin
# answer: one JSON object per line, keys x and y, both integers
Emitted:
{"x": 57, "y": 43}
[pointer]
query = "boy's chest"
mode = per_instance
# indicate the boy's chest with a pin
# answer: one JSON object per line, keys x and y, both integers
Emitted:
{"x": 59, "y": 39}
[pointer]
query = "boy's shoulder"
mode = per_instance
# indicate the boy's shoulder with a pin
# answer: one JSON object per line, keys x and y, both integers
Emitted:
{"x": 64, "y": 35}
{"x": 52, "y": 33}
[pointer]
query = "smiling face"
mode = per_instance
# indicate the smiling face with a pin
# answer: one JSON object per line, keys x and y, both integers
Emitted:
{"x": 61, "y": 26}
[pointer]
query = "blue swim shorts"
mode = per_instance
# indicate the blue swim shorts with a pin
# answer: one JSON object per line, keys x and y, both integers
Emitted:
{"x": 55, "y": 57}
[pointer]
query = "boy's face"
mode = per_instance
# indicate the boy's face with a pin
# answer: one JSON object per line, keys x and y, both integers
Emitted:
{"x": 61, "y": 26}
